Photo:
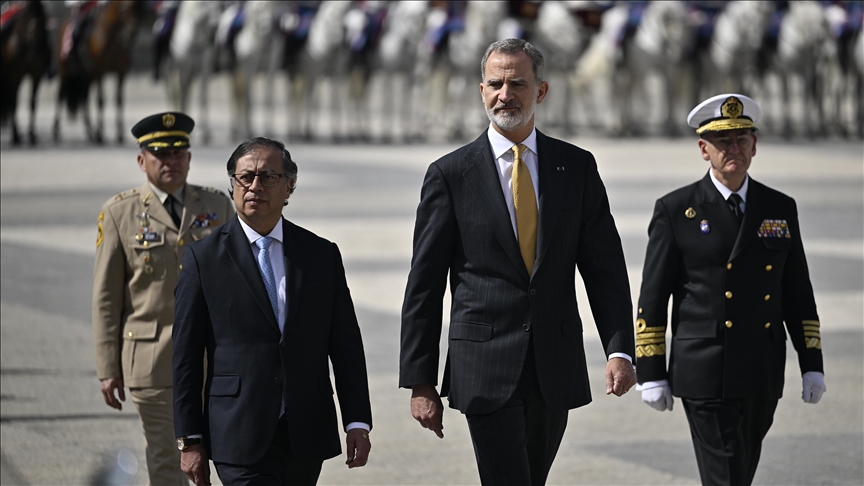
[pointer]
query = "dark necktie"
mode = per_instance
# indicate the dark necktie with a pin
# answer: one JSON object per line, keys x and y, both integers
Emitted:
{"x": 734, "y": 203}
{"x": 171, "y": 206}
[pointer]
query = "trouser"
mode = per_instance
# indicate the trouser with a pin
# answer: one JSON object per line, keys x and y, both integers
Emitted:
{"x": 727, "y": 437}
{"x": 517, "y": 443}
{"x": 156, "y": 409}
{"x": 276, "y": 468}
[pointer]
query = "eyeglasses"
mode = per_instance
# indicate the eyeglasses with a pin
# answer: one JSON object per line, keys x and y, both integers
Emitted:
{"x": 723, "y": 144}
{"x": 267, "y": 179}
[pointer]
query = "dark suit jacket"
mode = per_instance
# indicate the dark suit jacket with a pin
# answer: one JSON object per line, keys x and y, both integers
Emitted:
{"x": 463, "y": 226}
{"x": 222, "y": 309}
{"x": 732, "y": 290}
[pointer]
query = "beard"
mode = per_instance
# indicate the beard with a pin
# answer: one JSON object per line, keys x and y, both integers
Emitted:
{"x": 508, "y": 120}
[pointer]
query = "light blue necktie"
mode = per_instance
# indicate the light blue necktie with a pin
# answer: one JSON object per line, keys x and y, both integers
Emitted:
{"x": 267, "y": 272}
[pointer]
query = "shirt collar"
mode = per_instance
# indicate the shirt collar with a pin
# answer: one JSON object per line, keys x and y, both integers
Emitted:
{"x": 501, "y": 144}
{"x": 162, "y": 195}
{"x": 726, "y": 192}
{"x": 253, "y": 236}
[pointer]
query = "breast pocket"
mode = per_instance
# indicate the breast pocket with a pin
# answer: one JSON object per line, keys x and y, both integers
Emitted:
{"x": 777, "y": 244}
{"x": 150, "y": 257}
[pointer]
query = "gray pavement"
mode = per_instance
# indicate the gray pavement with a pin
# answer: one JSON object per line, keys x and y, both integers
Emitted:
{"x": 55, "y": 429}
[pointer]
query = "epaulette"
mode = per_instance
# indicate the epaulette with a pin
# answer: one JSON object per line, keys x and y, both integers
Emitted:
{"x": 121, "y": 196}
{"x": 211, "y": 190}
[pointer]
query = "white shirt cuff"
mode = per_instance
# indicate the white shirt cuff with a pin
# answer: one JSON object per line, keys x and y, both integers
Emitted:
{"x": 620, "y": 355}
{"x": 358, "y": 425}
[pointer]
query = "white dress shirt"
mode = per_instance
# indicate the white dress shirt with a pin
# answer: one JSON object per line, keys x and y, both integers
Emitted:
{"x": 502, "y": 150}
{"x": 726, "y": 192}
{"x": 277, "y": 262}
{"x": 162, "y": 195}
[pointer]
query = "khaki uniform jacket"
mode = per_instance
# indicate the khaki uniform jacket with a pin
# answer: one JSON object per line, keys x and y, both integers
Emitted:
{"x": 137, "y": 265}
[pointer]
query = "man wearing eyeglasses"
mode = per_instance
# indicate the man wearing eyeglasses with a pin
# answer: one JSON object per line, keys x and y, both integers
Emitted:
{"x": 728, "y": 250}
{"x": 140, "y": 236}
{"x": 268, "y": 304}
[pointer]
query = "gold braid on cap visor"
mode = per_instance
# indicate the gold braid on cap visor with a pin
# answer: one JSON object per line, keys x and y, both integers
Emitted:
{"x": 174, "y": 133}
{"x": 726, "y": 124}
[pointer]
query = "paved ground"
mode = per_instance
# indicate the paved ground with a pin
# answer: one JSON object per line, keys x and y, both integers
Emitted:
{"x": 54, "y": 428}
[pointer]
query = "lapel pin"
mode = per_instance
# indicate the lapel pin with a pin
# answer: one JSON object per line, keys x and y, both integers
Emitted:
{"x": 704, "y": 226}
{"x": 690, "y": 213}
{"x": 560, "y": 168}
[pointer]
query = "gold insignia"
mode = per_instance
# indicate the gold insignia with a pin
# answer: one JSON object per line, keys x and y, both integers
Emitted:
{"x": 99, "y": 232}
{"x": 168, "y": 120}
{"x": 649, "y": 350}
{"x": 812, "y": 338}
{"x": 690, "y": 213}
{"x": 101, "y": 216}
{"x": 732, "y": 107}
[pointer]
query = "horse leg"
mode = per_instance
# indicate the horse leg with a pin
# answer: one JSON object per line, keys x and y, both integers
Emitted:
{"x": 121, "y": 76}
{"x": 31, "y": 131}
{"x": 204, "y": 91}
{"x": 13, "y": 117}
{"x": 96, "y": 134}
{"x": 61, "y": 97}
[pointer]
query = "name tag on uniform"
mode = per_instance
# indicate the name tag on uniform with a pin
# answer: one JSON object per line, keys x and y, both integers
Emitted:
{"x": 774, "y": 228}
{"x": 147, "y": 236}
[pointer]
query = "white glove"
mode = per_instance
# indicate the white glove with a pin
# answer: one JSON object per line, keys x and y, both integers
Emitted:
{"x": 813, "y": 385}
{"x": 659, "y": 396}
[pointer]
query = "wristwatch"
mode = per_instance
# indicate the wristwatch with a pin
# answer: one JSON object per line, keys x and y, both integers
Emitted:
{"x": 184, "y": 443}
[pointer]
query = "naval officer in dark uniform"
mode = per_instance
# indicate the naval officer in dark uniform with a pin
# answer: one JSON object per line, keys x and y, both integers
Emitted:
{"x": 728, "y": 250}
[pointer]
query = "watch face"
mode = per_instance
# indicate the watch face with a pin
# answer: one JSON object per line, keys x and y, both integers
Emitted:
{"x": 180, "y": 444}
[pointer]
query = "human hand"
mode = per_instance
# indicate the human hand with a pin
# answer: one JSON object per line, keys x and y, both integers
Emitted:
{"x": 620, "y": 376}
{"x": 358, "y": 446}
{"x": 193, "y": 462}
{"x": 427, "y": 409}
{"x": 658, "y": 397}
{"x": 813, "y": 386}
{"x": 108, "y": 385}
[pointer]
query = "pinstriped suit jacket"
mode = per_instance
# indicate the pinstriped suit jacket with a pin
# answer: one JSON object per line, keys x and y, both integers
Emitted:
{"x": 463, "y": 227}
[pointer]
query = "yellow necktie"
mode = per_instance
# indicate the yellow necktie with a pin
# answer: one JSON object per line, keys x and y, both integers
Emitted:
{"x": 526, "y": 208}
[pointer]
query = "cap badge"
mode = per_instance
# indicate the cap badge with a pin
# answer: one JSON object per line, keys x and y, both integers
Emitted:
{"x": 168, "y": 120}
{"x": 732, "y": 107}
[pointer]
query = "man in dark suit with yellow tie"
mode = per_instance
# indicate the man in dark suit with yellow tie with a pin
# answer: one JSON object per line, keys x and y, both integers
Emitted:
{"x": 510, "y": 216}
{"x": 728, "y": 250}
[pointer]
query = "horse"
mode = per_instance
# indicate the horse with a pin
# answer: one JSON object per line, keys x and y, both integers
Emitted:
{"x": 464, "y": 49}
{"x": 656, "y": 46}
{"x": 191, "y": 53}
{"x": 101, "y": 44}
{"x": 397, "y": 57}
{"x": 846, "y": 66}
{"x": 562, "y": 37}
{"x": 733, "y": 52}
{"x": 26, "y": 51}
{"x": 800, "y": 54}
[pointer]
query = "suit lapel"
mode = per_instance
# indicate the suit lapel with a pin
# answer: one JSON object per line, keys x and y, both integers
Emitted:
{"x": 753, "y": 217}
{"x": 240, "y": 252}
{"x": 550, "y": 188}
{"x": 293, "y": 273}
{"x": 716, "y": 212}
{"x": 482, "y": 180}
{"x": 154, "y": 208}
{"x": 192, "y": 206}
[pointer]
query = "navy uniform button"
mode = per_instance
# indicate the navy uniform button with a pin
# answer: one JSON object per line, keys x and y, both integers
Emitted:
{"x": 729, "y": 266}
{"x": 767, "y": 297}
{"x": 728, "y": 294}
{"x": 768, "y": 268}
{"x": 526, "y": 327}
{"x": 533, "y": 292}
{"x": 729, "y": 324}
{"x": 767, "y": 325}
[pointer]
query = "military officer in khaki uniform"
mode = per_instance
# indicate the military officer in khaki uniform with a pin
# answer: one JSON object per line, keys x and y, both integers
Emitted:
{"x": 139, "y": 245}
{"x": 728, "y": 250}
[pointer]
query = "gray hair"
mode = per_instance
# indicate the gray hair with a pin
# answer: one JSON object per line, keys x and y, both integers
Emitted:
{"x": 515, "y": 46}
